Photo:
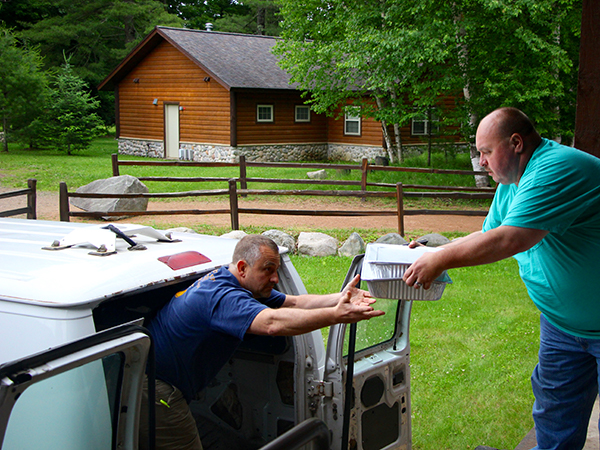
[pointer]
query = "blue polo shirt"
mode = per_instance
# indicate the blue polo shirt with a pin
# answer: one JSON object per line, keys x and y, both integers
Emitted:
{"x": 200, "y": 329}
{"x": 559, "y": 192}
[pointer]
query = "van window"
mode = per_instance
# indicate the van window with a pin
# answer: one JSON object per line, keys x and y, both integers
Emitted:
{"x": 72, "y": 410}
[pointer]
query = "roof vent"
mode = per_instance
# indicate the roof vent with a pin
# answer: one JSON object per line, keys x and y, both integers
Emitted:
{"x": 209, "y": 26}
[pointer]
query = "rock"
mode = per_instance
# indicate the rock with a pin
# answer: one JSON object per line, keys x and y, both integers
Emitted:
{"x": 435, "y": 239}
{"x": 353, "y": 246}
{"x": 124, "y": 184}
{"x": 317, "y": 244}
{"x": 382, "y": 161}
{"x": 235, "y": 234}
{"x": 391, "y": 238}
{"x": 282, "y": 239}
{"x": 318, "y": 175}
{"x": 181, "y": 230}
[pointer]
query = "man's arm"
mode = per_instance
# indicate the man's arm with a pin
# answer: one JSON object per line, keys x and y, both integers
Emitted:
{"x": 305, "y": 313}
{"x": 311, "y": 301}
{"x": 475, "y": 249}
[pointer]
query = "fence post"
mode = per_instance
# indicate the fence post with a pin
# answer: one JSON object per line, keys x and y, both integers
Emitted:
{"x": 243, "y": 182}
{"x": 233, "y": 205}
{"x": 32, "y": 199}
{"x": 363, "y": 180}
{"x": 400, "y": 206}
{"x": 115, "y": 164}
{"x": 63, "y": 202}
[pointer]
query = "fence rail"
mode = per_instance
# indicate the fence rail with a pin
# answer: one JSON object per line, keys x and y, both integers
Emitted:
{"x": 234, "y": 210}
{"x": 31, "y": 194}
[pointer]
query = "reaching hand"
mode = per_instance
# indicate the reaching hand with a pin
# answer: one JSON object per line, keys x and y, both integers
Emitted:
{"x": 357, "y": 296}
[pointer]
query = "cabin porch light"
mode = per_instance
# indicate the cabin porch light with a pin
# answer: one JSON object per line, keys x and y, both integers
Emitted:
{"x": 155, "y": 102}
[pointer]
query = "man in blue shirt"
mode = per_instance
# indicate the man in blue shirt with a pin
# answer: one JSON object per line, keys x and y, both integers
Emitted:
{"x": 197, "y": 332}
{"x": 546, "y": 214}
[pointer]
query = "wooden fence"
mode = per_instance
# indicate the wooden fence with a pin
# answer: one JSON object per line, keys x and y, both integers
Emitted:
{"x": 233, "y": 192}
{"x": 31, "y": 207}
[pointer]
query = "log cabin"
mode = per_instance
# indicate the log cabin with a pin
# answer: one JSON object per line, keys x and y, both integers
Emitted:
{"x": 211, "y": 96}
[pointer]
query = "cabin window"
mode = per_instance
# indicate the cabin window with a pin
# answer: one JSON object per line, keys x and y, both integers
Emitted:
{"x": 352, "y": 121}
{"x": 264, "y": 113}
{"x": 302, "y": 113}
{"x": 423, "y": 123}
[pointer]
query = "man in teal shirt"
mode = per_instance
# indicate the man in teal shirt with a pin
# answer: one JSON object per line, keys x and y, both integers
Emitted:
{"x": 546, "y": 213}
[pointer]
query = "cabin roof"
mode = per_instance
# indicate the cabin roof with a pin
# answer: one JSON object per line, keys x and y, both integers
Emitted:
{"x": 234, "y": 60}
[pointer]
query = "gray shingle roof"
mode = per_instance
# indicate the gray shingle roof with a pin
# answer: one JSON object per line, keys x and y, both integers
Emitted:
{"x": 237, "y": 60}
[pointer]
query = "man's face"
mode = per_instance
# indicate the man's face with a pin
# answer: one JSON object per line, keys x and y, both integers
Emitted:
{"x": 498, "y": 156}
{"x": 261, "y": 278}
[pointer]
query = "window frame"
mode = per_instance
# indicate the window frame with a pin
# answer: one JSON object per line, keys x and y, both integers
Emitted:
{"x": 426, "y": 123}
{"x": 270, "y": 107}
{"x": 301, "y": 107}
{"x": 352, "y": 115}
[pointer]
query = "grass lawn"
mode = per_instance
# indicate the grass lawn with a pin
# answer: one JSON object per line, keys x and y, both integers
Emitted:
{"x": 472, "y": 352}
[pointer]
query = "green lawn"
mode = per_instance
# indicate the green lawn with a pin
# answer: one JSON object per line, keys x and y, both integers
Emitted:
{"x": 471, "y": 352}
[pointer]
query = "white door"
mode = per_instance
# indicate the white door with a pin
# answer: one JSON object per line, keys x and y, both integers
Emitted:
{"x": 172, "y": 131}
{"x": 378, "y": 417}
{"x": 85, "y": 394}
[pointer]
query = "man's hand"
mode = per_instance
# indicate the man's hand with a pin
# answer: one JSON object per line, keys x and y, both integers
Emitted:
{"x": 357, "y": 296}
{"x": 354, "y": 308}
{"x": 423, "y": 271}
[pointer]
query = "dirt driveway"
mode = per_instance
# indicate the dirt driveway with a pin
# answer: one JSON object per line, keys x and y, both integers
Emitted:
{"x": 47, "y": 209}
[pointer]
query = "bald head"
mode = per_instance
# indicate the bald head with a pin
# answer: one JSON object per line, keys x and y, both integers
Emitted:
{"x": 504, "y": 122}
{"x": 506, "y": 139}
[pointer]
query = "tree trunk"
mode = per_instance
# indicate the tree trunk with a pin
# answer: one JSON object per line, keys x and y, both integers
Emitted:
{"x": 480, "y": 180}
{"x": 260, "y": 21}
{"x": 5, "y": 133}
{"x": 397, "y": 135}
{"x": 386, "y": 134}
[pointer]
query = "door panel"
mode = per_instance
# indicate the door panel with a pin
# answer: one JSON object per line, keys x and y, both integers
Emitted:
{"x": 171, "y": 130}
{"x": 378, "y": 414}
{"x": 82, "y": 395}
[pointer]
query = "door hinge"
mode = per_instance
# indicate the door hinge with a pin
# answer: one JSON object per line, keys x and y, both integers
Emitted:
{"x": 320, "y": 388}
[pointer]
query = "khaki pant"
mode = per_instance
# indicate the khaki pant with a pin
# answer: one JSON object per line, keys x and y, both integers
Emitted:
{"x": 175, "y": 426}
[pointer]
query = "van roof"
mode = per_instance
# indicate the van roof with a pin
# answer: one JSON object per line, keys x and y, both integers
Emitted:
{"x": 76, "y": 276}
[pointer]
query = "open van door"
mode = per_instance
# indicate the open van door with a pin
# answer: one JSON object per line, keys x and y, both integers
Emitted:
{"x": 84, "y": 394}
{"x": 373, "y": 411}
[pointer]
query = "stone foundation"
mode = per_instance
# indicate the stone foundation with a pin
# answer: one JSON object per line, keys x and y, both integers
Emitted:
{"x": 267, "y": 153}
{"x": 263, "y": 153}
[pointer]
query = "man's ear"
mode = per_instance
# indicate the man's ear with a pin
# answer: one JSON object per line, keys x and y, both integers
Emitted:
{"x": 242, "y": 267}
{"x": 517, "y": 140}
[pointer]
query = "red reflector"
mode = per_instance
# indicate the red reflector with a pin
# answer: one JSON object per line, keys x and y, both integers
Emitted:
{"x": 183, "y": 260}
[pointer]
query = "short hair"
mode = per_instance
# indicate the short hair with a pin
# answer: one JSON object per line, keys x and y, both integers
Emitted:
{"x": 513, "y": 120}
{"x": 249, "y": 248}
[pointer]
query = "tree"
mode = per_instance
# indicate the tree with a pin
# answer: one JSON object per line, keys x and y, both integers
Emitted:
{"x": 406, "y": 55}
{"x": 345, "y": 52}
{"x": 70, "y": 122}
{"x": 95, "y": 34}
{"x": 23, "y": 85}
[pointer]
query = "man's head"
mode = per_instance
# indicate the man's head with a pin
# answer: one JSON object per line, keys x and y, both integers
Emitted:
{"x": 506, "y": 138}
{"x": 255, "y": 264}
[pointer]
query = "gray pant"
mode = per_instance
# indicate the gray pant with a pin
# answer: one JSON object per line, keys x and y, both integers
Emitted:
{"x": 175, "y": 426}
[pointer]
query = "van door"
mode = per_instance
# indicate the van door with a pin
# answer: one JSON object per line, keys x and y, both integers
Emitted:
{"x": 373, "y": 412}
{"x": 84, "y": 394}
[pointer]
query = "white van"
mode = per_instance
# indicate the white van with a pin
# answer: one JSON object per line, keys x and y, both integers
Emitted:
{"x": 73, "y": 353}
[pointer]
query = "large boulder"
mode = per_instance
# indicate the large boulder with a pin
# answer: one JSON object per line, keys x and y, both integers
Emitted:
{"x": 282, "y": 239}
{"x": 435, "y": 239}
{"x": 235, "y": 234}
{"x": 124, "y": 184}
{"x": 353, "y": 246}
{"x": 317, "y": 244}
{"x": 391, "y": 238}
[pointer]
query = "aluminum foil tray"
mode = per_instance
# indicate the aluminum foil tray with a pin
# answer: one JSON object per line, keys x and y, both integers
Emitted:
{"x": 383, "y": 268}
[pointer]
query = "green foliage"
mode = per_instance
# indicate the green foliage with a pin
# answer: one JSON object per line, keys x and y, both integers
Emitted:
{"x": 406, "y": 56}
{"x": 71, "y": 123}
{"x": 23, "y": 88}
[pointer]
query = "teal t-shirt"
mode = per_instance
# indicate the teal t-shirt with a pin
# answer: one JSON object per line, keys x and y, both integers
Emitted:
{"x": 560, "y": 193}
